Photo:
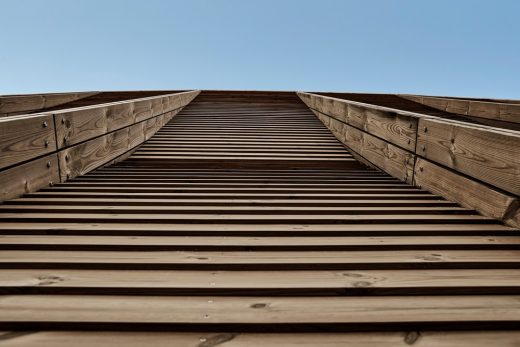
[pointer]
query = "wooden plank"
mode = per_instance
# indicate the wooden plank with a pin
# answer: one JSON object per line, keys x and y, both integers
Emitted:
{"x": 265, "y": 260}
{"x": 77, "y": 242}
{"x": 227, "y": 339}
{"x": 83, "y": 158}
{"x": 502, "y": 111}
{"x": 338, "y": 282}
{"x": 394, "y": 126}
{"x": 29, "y": 177}
{"x": 447, "y": 228}
{"x": 391, "y": 159}
{"x": 462, "y": 190}
{"x": 465, "y": 311}
{"x": 80, "y": 124}
{"x": 16, "y": 104}
{"x": 25, "y": 138}
{"x": 487, "y": 154}
{"x": 257, "y": 218}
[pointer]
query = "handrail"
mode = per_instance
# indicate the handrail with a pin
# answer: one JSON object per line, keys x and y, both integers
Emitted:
{"x": 72, "y": 142}
{"x": 409, "y": 146}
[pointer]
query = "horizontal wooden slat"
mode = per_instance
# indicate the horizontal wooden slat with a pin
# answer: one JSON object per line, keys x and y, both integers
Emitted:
{"x": 16, "y": 104}
{"x": 233, "y": 339}
{"x": 323, "y": 283}
{"x": 25, "y": 138}
{"x": 227, "y": 243}
{"x": 487, "y": 155}
{"x": 263, "y": 260}
{"x": 29, "y": 177}
{"x": 465, "y": 191}
{"x": 354, "y": 311}
{"x": 502, "y": 111}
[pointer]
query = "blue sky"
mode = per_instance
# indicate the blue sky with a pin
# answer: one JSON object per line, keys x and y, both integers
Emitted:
{"x": 437, "y": 47}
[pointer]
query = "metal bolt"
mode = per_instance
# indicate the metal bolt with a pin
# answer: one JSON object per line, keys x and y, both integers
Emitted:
{"x": 66, "y": 157}
{"x": 410, "y": 126}
{"x": 48, "y": 164}
{"x": 45, "y": 125}
{"x": 425, "y": 129}
{"x": 46, "y": 143}
{"x": 51, "y": 183}
{"x": 423, "y": 147}
{"x": 63, "y": 121}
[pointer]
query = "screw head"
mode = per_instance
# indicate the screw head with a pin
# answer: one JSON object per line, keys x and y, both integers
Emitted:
{"x": 63, "y": 121}
{"x": 46, "y": 143}
{"x": 48, "y": 164}
{"x": 51, "y": 183}
{"x": 45, "y": 124}
{"x": 425, "y": 129}
{"x": 66, "y": 157}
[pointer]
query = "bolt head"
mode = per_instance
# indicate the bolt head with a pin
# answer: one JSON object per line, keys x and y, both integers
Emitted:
{"x": 48, "y": 164}
{"x": 45, "y": 124}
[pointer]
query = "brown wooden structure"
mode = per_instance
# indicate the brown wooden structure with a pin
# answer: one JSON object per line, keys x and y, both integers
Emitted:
{"x": 222, "y": 218}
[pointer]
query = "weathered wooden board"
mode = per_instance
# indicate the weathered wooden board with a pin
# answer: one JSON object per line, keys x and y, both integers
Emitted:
{"x": 397, "y": 127}
{"x": 367, "y": 311}
{"x": 25, "y": 138}
{"x": 391, "y": 159}
{"x": 81, "y": 124}
{"x": 234, "y": 339}
{"x": 16, "y": 104}
{"x": 465, "y": 191}
{"x": 29, "y": 177}
{"x": 85, "y": 157}
{"x": 489, "y": 155}
{"x": 507, "y": 112}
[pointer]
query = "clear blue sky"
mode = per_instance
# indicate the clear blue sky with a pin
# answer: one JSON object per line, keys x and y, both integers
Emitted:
{"x": 438, "y": 47}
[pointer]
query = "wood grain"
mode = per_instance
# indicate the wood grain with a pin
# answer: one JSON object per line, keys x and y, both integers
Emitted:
{"x": 489, "y": 155}
{"x": 29, "y": 177}
{"x": 502, "y": 111}
{"x": 233, "y": 339}
{"x": 465, "y": 191}
{"x": 81, "y": 124}
{"x": 17, "y": 104}
{"x": 25, "y": 138}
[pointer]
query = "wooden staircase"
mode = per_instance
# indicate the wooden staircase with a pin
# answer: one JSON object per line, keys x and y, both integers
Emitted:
{"x": 244, "y": 222}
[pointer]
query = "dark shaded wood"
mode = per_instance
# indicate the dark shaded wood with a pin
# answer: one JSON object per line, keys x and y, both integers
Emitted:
{"x": 25, "y": 138}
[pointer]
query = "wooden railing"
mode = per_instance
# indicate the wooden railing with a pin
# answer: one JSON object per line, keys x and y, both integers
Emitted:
{"x": 19, "y": 104}
{"x": 475, "y": 165}
{"x": 502, "y": 111}
{"x": 40, "y": 150}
